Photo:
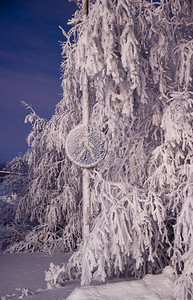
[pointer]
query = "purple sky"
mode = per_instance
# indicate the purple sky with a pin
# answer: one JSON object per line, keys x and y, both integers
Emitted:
{"x": 30, "y": 58}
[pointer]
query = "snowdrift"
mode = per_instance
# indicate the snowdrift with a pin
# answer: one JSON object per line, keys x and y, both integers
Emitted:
{"x": 151, "y": 287}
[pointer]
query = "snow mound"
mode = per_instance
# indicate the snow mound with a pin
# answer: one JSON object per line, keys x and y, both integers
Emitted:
{"x": 151, "y": 287}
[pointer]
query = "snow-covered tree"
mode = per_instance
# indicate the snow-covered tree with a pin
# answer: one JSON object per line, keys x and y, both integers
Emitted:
{"x": 134, "y": 59}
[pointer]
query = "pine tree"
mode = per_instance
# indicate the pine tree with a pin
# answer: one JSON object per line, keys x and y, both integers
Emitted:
{"x": 135, "y": 60}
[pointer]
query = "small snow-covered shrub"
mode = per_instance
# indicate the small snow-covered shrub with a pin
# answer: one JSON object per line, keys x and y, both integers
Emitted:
{"x": 54, "y": 276}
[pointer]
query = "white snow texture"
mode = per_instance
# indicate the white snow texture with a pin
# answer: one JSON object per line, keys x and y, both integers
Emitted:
{"x": 151, "y": 287}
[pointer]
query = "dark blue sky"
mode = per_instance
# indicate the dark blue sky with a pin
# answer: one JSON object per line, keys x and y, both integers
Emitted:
{"x": 30, "y": 58}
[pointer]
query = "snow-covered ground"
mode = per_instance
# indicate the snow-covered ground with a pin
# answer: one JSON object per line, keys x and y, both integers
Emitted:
{"x": 22, "y": 275}
{"x": 149, "y": 288}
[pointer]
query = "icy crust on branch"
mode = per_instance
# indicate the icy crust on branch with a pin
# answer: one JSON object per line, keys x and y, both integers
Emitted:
{"x": 107, "y": 47}
{"x": 50, "y": 198}
{"x": 119, "y": 239}
{"x": 183, "y": 243}
{"x": 177, "y": 120}
{"x": 172, "y": 177}
{"x": 38, "y": 124}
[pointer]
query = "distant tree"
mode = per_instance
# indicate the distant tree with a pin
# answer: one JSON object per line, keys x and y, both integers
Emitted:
{"x": 2, "y": 166}
{"x": 135, "y": 59}
{"x": 14, "y": 183}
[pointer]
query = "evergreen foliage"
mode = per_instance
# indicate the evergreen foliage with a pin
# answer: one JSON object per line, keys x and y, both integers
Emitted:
{"x": 135, "y": 58}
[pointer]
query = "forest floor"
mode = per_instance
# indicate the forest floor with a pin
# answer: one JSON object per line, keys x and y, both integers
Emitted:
{"x": 22, "y": 275}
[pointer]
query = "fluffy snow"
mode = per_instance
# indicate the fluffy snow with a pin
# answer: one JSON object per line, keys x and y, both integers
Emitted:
{"x": 151, "y": 287}
{"x": 22, "y": 275}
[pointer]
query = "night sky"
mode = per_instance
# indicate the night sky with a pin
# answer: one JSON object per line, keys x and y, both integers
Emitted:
{"x": 30, "y": 58}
